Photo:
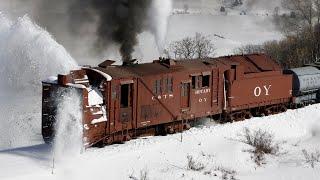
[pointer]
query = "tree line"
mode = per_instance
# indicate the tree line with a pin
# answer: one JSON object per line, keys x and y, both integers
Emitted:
{"x": 301, "y": 29}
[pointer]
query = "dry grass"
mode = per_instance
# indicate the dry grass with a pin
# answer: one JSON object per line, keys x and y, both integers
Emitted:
{"x": 227, "y": 174}
{"x": 144, "y": 175}
{"x": 194, "y": 165}
{"x": 262, "y": 142}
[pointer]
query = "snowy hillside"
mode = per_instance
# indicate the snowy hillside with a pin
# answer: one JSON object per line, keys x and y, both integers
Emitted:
{"x": 216, "y": 146}
{"x": 228, "y": 30}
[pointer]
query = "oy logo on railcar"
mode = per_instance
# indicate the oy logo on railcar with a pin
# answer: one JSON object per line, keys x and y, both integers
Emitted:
{"x": 258, "y": 91}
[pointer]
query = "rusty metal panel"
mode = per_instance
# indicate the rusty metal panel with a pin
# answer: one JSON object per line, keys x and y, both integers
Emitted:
{"x": 126, "y": 115}
{"x": 254, "y": 63}
{"x": 264, "y": 62}
{"x": 256, "y": 90}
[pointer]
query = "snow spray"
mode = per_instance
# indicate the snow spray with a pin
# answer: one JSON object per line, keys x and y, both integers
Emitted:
{"x": 160, "y": 12}
{"x": 68, "y": 127}
{"x": 28, "y": 55}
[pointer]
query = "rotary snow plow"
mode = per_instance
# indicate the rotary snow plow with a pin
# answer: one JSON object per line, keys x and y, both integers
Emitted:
{"x": 90, "y": 86}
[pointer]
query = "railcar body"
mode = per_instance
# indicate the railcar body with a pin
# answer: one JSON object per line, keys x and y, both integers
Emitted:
{"x": 166, "y": 96}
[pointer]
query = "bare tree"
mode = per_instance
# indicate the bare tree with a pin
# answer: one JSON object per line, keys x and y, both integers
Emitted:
{"x": 199, "y": 46}
{"x": 304, "y": 12}
{"x": 301, "y": 29}
{"x": 203, "y": 46}
{"x": 317, "y": 9}
{"x": 186, "y": 48}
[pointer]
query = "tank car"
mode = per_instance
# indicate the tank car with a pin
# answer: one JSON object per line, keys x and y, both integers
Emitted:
{"x": 306, "y": 85}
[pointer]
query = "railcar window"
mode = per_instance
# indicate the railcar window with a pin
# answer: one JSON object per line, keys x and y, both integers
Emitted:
{"x": 194, "y": 82}
{"x": 184, "y": 89}
{"x": 124, "y": 96}
{"x": 206, "y": 81}
{"x": 163, "y": 86}
{"x": 157, "y": 87}
{"x": 170, "y": 85}
{"x": 199, "y": 82}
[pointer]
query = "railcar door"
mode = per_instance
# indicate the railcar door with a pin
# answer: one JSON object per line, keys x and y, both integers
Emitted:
{"x": 185, "y": 96}
{"x": 126, "y": 101}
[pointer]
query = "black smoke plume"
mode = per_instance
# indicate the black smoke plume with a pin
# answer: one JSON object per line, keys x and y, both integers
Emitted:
{"x": 119, "y": 21}
{"x": 78, "y": 24}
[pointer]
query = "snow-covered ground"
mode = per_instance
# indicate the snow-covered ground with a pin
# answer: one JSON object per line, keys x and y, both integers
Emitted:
{"x": 29, "y": 54}
{"x": 165, "y": 157}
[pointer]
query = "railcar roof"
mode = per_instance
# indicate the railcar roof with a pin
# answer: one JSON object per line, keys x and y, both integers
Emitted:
{"x": 253, "y": 63}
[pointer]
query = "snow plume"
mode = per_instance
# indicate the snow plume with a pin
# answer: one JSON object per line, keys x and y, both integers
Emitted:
{"x": 159, "y": 13}
{"x": 28, "y": 54}
{"x": 68, "y": 137}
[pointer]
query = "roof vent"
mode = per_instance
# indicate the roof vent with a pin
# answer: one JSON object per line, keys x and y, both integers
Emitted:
{"x": 106, "y": 63}
{"x": 168, "y": 62}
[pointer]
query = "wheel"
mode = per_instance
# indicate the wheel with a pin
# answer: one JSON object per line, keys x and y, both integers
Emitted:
{"x": 248, "y": 115}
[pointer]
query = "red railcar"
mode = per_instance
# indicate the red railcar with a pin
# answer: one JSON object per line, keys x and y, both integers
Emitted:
{"x": 165, "y": 96}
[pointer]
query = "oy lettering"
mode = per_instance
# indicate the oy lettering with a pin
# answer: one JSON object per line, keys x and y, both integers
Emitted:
{"x": 258, "y": 90}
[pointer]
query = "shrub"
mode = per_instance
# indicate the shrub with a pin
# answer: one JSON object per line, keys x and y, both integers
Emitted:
{"x": 311, "y": 158}
{"x": 222, "y": 172}
{"x": 227, "y": 174}
{"x": 262, "y": 142}
{"x": 144, "y": 175}
{"x": 193, "y": 165}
